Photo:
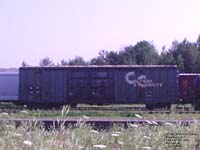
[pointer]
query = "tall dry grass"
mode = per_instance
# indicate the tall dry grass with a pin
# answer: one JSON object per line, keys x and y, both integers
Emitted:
{"x": 137, "y": 137}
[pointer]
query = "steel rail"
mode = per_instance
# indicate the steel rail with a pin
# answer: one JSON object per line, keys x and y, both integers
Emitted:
{"x": 100, "y": 123}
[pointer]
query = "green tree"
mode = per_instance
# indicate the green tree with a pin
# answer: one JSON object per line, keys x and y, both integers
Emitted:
{"x": 77, "y": 61}
{"x": 180, "y": 63}
{"x": 101, "y": 59}
{"x": 24, "y": 64}
{"x": 128, "y": 56}
{"x": 186, "y": 55}
{"x": 46, "y": 62}
{"x": 166, "y": 58}
{"x": 146, "y": 53}
{"x": 63, "y": 62}
{"x": 143, "y": 53}
{"x": 112, "y": 58}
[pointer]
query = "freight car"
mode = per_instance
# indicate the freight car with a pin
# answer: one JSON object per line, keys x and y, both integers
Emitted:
{"x": 9, "y": 86}
{"x": 155, "y": 86}
{"x": 189, "y": 89}
{"x": 186, "y": 90}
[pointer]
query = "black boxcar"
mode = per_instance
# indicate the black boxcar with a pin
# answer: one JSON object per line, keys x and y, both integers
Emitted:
{"x": 121, "y": 84}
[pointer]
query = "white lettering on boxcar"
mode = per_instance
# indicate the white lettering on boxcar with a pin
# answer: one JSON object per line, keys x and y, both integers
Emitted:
{"x": 141, "y": 81}
{"x": 127, "y": 78}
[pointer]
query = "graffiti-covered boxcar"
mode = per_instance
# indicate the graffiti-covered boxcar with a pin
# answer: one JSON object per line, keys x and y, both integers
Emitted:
{"x": 155, "y": 86}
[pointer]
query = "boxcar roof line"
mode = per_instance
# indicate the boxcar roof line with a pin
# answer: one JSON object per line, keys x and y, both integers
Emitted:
{"x": 106, "y": 66}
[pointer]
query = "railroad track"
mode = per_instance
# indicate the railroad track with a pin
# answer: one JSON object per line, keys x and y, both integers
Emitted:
{"x": 177, "y": 110}
{"x": 107, "y": 110}
{"x": 136, "y": 109}
{"x": 100, "y": 123}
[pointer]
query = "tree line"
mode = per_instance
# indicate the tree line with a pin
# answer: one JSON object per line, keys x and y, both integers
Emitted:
{"x": 184, "y": 54}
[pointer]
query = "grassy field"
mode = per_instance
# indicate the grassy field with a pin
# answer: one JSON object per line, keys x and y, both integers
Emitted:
{"x": 136, "y": 137}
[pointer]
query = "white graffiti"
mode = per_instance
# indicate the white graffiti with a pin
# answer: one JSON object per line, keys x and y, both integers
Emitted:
{"x": 140, "y": 81}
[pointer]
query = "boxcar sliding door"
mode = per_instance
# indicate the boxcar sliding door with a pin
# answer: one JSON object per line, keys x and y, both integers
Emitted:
{"x": 90, "y": 85}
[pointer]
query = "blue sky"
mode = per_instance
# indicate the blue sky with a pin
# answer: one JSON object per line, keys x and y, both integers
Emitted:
{"x": 61, "y": 29}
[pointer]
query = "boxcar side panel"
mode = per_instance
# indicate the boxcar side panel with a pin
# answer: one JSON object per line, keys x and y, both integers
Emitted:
{"x": 146, "y": 85}
{"x": 26, "y": 85}
{"x": 98, "y": 85}
{"x": 42, "y": 85}
{"x": 90, "y": 85}
{"x": 124, "y": 92}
